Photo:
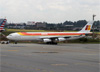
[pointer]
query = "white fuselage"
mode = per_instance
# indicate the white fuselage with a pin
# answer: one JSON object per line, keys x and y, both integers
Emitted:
{"x": 44, "y": 35}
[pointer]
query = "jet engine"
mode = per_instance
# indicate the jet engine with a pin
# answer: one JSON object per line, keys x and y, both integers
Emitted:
{"x": 61, "y": 39}
{"x": 46, "y": 40}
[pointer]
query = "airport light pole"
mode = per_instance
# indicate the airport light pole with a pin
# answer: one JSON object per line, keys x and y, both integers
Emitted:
{"x": 93, "y": 25}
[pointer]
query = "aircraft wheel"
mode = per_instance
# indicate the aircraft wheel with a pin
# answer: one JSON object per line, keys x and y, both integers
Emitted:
{"x": 54, "y": 43}
{"x": 15, "y": 42}
{"x": 48, "y": 43}
{"x": 6, "y": 42}
{"x": 2, "y": 42}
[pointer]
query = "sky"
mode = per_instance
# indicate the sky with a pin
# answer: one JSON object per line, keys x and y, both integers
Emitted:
{"x": 51, "y": 11}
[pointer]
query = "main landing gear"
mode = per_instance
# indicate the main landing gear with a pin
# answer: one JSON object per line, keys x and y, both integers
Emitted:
{"x": 15, "y": 42}
{"x": 52, "y": 43}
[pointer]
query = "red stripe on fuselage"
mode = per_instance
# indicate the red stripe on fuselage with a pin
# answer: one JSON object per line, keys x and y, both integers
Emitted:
{"x": 50, "y": 34}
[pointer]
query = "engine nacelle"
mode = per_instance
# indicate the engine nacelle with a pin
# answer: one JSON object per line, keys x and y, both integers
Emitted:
{"x": 61, "y": 39}
{"x": 46, "y": 40}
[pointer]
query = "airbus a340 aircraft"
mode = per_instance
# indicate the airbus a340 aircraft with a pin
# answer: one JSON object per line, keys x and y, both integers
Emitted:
{"x": 2, "y": 25}
{"x": 51, "y": 37}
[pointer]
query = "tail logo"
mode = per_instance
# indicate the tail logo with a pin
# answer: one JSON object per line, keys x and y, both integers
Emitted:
{"x": 2, "y": 25}
{"x": 88, "y": 27}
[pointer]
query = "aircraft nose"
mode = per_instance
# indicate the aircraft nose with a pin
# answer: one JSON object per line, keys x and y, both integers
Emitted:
{"x": 8, "y": 37}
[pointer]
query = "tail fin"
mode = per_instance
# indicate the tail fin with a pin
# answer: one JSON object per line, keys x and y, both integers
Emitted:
{"x": 87, "y": 27}
{"x": 2, "y": 24}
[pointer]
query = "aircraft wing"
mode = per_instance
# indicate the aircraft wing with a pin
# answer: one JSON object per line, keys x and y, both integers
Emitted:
{"x": 55, "y": 37}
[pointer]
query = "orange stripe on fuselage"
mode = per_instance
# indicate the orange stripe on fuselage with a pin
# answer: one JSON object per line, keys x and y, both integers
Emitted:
{"x": 49, "y": 34}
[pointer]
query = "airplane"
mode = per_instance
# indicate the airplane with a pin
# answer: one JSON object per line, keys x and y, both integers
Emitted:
{"x": 51, "y": 37}
{"x": 2, "y": 24}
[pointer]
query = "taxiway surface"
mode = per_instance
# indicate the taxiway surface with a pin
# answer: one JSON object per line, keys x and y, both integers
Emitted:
{"x": 49, "y": 58}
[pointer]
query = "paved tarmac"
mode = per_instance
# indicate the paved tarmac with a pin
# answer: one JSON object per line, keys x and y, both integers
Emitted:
{"x": 49, "y": 58}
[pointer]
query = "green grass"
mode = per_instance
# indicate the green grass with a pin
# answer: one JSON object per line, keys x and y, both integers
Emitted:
{"x": 23, "y": 30}
{"x": 85, "y": 40}
{"x": 97, "y": 32}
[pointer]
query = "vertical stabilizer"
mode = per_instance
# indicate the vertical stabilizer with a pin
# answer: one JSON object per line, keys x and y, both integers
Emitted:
{"x": 87, "y": 27}
{"x": 2, "y": 24}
